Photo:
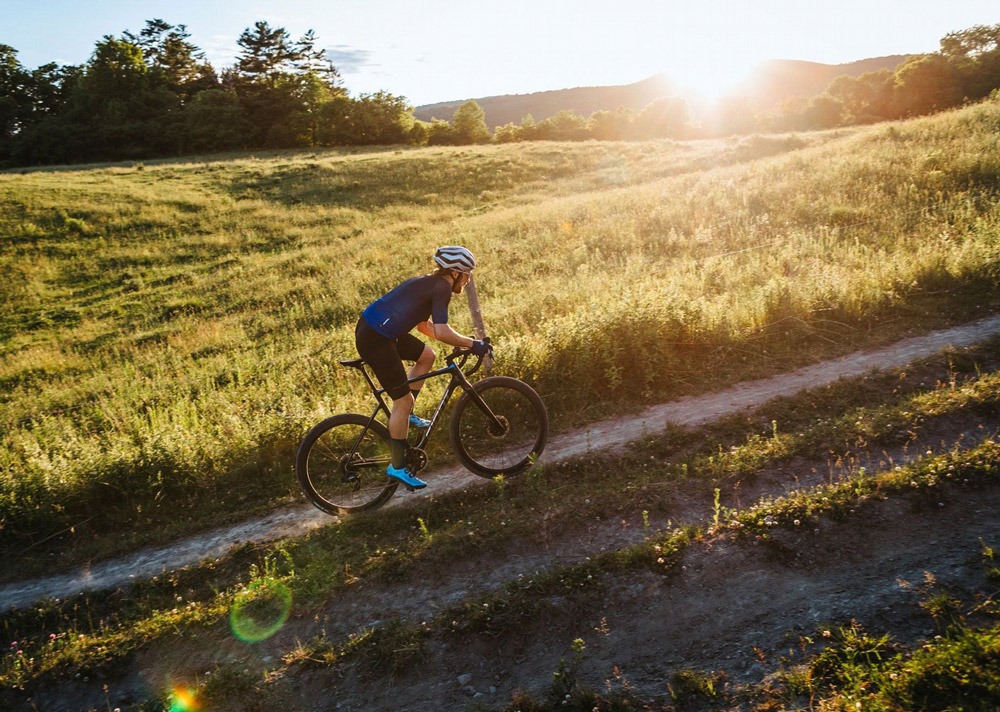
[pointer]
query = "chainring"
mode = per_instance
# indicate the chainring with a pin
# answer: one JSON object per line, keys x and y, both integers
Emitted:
{"x": 416, "y": 460}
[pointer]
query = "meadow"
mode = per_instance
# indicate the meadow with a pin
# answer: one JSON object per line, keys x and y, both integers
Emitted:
{"x": 169, "y": 330}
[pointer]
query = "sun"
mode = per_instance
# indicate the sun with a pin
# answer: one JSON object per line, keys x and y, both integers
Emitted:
{"x": 711, "y": 78}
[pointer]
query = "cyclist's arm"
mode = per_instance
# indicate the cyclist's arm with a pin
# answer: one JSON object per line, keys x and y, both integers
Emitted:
{"x": 426, "y": 328}
{"x": 445, "y": 334}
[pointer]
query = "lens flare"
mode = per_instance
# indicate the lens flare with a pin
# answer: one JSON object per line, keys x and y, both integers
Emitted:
{"x": 182, "y": 700}
{"x": 260, "y": 610}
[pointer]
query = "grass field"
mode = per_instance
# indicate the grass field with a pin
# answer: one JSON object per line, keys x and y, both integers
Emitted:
{"x": 109, "y": 635}
{"x": 169, "y": 330}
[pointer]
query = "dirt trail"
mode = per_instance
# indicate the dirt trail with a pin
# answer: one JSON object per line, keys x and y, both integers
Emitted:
{"x": 732, "y": 610}
{"x": 691, "y": 411}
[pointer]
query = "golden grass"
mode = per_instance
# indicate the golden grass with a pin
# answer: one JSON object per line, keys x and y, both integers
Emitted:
{"x": 174, "y": 326}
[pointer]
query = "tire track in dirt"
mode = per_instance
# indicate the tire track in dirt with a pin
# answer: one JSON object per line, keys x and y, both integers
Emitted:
{"x": 605, "y": 435}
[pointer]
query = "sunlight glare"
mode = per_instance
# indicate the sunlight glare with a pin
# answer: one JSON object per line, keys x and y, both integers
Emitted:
{"x": 260, "y": 610}
{"x": 182, "y": 700}
{"x": 713, "y": 77}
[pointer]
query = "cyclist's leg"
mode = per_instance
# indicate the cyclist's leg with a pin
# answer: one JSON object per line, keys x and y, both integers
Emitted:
{"x": 410, "y": 348}
{"x": 381, "y": 355}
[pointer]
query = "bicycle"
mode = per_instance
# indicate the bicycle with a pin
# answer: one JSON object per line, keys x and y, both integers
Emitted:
{"x": 499, "y": 427}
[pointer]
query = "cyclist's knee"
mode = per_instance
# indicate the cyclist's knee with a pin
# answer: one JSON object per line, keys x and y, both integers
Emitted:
{"x": 400, "y": 393}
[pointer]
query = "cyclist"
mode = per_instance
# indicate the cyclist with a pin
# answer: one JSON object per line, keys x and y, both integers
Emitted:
{"x": 384, "y": 341}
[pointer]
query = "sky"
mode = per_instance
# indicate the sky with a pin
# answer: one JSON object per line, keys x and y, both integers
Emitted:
{"x": 446, "y": 50}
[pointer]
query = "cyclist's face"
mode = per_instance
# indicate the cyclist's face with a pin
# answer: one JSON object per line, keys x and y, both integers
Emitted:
{"x": 461, "y": 279}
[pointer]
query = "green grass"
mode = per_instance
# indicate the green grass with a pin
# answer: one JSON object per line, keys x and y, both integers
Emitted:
{"x": 169, "y": 330}
{"x": 101, "y": 631}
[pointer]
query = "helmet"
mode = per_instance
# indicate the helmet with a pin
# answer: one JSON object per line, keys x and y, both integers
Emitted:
{"x": 456, "y": 258}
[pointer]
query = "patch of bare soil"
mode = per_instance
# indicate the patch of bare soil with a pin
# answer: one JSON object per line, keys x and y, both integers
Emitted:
{"x": 732, "y": 608}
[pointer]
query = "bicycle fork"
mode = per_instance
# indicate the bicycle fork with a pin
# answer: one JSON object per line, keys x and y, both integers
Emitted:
{"x": 497, "y": 426}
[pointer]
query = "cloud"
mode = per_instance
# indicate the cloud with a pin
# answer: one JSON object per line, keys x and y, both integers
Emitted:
{"x": 349, "y": 60}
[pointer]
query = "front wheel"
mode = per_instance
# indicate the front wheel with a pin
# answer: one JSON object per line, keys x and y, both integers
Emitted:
{"x": 341, "y": 464}
{"x": 501, "y": 429}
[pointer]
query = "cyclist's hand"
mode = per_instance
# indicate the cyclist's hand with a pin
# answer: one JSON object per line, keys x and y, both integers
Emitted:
{"x": 482, "y": 347}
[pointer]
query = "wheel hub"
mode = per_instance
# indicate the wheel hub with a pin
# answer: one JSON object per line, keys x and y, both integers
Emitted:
{"x": 498, "y": 431}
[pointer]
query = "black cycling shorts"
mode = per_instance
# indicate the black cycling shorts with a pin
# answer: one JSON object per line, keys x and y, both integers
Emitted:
{"x": 385, "y": 356}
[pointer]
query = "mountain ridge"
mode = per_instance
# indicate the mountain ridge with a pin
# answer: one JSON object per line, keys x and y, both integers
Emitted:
{"x": 765, "y": 86}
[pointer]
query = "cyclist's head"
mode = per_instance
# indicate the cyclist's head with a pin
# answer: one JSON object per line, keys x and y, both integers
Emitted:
{"x": 454, "y": 257}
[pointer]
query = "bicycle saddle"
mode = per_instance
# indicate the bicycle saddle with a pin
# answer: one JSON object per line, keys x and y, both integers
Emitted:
{"x": 353, "y": 363}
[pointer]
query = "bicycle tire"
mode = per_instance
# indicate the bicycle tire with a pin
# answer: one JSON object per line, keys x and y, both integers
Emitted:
{"x": 488, "y": 453}
{"x": 337, "y": 481}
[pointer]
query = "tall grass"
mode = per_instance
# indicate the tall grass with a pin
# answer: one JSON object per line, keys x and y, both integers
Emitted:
{"x": 169, "y": 330}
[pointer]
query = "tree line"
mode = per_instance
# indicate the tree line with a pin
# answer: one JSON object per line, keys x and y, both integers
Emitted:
{"x": 153, "y": 94}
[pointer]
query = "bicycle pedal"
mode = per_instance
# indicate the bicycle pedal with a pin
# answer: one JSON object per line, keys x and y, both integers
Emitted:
{"x": 411, "y": 489}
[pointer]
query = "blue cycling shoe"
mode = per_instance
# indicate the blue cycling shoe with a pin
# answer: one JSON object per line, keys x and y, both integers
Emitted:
{"x": 403, "y": 475}
{"x": 417, "y": 422}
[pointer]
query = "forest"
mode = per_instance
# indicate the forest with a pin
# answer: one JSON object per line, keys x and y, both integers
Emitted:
{"x": 152, "y": 93}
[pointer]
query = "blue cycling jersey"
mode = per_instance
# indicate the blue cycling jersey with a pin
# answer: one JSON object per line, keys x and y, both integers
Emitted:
{"x": 415, "y": 300}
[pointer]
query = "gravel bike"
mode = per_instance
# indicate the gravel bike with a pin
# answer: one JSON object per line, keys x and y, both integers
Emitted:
{"x": 499, "y": 426}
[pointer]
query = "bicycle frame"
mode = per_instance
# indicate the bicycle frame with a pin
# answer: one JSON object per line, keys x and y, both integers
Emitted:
{"x": 459, "y": 379}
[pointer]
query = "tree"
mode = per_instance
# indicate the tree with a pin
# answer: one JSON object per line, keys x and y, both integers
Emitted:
{"x": 564, "y": 126}
{"x": 867, "y": 98}
{"x": 15, "y": 99}
{"x": 611, "y": 126}
{"x": 971, "y": 43}
{"x": 282, "y": 84}
{"x": 51, "y": 87}
{"x": 974, "y": 55}
{"x": 47, "y": 132}
{"x": 925, "y": 84}
{"x": 270, "y": 57}
{"x": 381, "y": 119}
{"x": 116, "y": 70}
{"x": 441, "y": 133}
{"x": 469, "y": 122}
{"x": 267, "y": 55}
{"x": 371, "y": 119}
{"x": 172, "y": 60}
{"x": 117, "y": 108}
{"x": 508, "y": 133}
{"x": 313, "y": 61}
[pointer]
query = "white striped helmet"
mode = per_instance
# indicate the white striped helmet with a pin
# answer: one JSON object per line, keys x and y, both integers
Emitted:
{"x": 456, "y": 258}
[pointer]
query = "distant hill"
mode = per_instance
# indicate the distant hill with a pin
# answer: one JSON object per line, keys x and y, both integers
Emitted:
{"x": 584, "y": 101}
{"x": 781, "y": 79}
{"x": 771, "y": 83}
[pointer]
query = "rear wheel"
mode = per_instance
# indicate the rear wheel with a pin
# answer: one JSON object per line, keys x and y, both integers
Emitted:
{"x": 509, "y": 437}
{"x": 341, "y": 464}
